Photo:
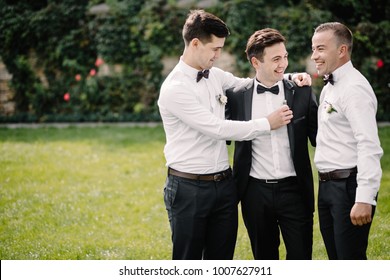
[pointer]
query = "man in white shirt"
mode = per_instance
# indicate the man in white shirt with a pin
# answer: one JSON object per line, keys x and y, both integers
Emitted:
{"x": 199, "y": 194}
{"x": 348, "y": 149}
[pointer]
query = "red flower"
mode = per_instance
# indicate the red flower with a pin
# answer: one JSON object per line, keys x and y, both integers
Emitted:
{"x": 315, "y": 75}
{"x": 77, "y": 77}
{"x": 99, "y": 62}
{"x": 92, "y": 72}
{"x": 67, "y": 96}
{"x": 380, "y": 63}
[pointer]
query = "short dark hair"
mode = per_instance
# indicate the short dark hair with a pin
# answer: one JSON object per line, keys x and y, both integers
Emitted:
{"x": 261, "y": 39}
{"x": 342, "y": 33}
{"x": 202, "y": 25}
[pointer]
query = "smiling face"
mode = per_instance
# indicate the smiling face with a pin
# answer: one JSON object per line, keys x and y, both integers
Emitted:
{"x": 203, "y": 55}
{"x": 208, "y": 53}
{"x": 271, "y": 68}
{"x": 327, "y": 55}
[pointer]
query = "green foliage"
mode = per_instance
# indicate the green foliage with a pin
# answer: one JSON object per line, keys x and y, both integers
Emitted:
{"x": 46, "y": 43}
{"x": 243, "y": 19}
{"x": 371, "y": 55}
{"x": 352, "y": 12}
{"x": 117, "y": 38}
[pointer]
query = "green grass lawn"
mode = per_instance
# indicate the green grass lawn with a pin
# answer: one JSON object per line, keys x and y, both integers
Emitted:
{"x": 96, "y": 193}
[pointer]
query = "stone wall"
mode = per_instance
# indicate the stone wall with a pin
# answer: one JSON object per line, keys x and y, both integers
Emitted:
{"x": 7, "y": 105}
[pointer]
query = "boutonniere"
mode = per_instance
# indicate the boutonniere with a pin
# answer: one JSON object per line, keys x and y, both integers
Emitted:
{"x": 222, "y": 99}
{"x": 329, "y": 107}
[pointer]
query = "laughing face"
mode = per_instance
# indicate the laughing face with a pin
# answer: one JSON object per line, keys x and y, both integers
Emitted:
{"x": 326, "y": 53}
{"x": 271, "y": 69}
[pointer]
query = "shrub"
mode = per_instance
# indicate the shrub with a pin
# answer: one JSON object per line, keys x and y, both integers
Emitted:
{"x": 52, "y": 47}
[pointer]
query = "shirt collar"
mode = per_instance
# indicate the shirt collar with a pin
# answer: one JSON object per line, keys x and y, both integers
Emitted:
{"x": 188, "y": 70}
{"x": 279, "y": 83}
{"x": 342, "y": 71}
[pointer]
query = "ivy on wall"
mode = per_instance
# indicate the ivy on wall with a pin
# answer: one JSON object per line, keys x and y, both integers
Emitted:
{"x": 71, "y": 65}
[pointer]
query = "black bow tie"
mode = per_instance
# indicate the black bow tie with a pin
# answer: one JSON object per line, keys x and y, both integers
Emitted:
{"x": 202, "y": 74}
{"x": 328, "y": 79}
{"x": 274, "y": 89}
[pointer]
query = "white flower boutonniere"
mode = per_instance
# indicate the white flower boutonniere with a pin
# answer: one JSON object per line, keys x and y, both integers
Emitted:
{"x": 222, "y": 99}
{"x": 329, "y": 107}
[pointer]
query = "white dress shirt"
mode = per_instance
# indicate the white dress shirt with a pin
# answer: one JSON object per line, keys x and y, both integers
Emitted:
{"x": 271, "y": 154}
{"x": 348, "y": 136}
{"x": 194, "y": 120}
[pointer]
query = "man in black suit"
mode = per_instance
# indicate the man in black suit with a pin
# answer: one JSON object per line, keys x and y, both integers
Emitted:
{"x": 273, "y": 172}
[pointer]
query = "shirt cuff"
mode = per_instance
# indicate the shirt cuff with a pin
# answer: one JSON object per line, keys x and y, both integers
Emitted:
{"x": 262, "y": 125}
{"x": 366, "y": 195}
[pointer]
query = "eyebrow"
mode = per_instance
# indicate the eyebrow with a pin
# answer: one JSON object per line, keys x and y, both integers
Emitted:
{"x": 279, "y": 56}
{"x": 319, "y": 46}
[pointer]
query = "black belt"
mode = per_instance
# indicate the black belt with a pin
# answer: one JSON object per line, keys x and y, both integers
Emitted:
{"x": 337, "y": 174}
{"x": 219, "y": 176}
{"x": 276, "y": 181}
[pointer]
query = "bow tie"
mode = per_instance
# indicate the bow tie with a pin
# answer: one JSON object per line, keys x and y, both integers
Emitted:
{"x": 328, "y": 79}
{"x": 202, "y": 74}
{"x": 274, "y": 89}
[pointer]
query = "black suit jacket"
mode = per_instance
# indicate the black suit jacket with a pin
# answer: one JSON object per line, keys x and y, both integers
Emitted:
{"x": 302, "y": 128}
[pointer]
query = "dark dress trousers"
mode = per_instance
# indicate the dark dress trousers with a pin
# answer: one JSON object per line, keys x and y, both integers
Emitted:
{"x": 288, "y": 204}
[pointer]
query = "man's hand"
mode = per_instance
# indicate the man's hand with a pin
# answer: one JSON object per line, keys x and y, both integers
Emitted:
{"x": 280, "y": 117}
{"x": 301, "y": 79}
{"x": 361, "y": 213}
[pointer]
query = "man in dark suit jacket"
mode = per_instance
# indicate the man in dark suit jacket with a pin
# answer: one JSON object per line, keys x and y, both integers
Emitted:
{"x": 273, "y": 172}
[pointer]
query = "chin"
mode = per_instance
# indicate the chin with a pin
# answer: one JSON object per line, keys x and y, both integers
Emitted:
{"x": 320, "y": 72}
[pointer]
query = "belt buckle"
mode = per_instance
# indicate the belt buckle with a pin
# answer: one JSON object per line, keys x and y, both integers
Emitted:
{"x": 271, "y": 181}
{"x": 218, "y": 177}
{"x": 326, "y": 176}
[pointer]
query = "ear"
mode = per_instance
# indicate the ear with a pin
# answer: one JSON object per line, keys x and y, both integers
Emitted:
{"x": 195, "y": 42}
{"x": 343, "y": 51}
{"x": 254, "y": 62}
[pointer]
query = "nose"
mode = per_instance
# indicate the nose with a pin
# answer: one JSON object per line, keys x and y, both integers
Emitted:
{"x": 284, "y": 62}
{"x": 217, "y": 53}
{"x": 313, "y": 55}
